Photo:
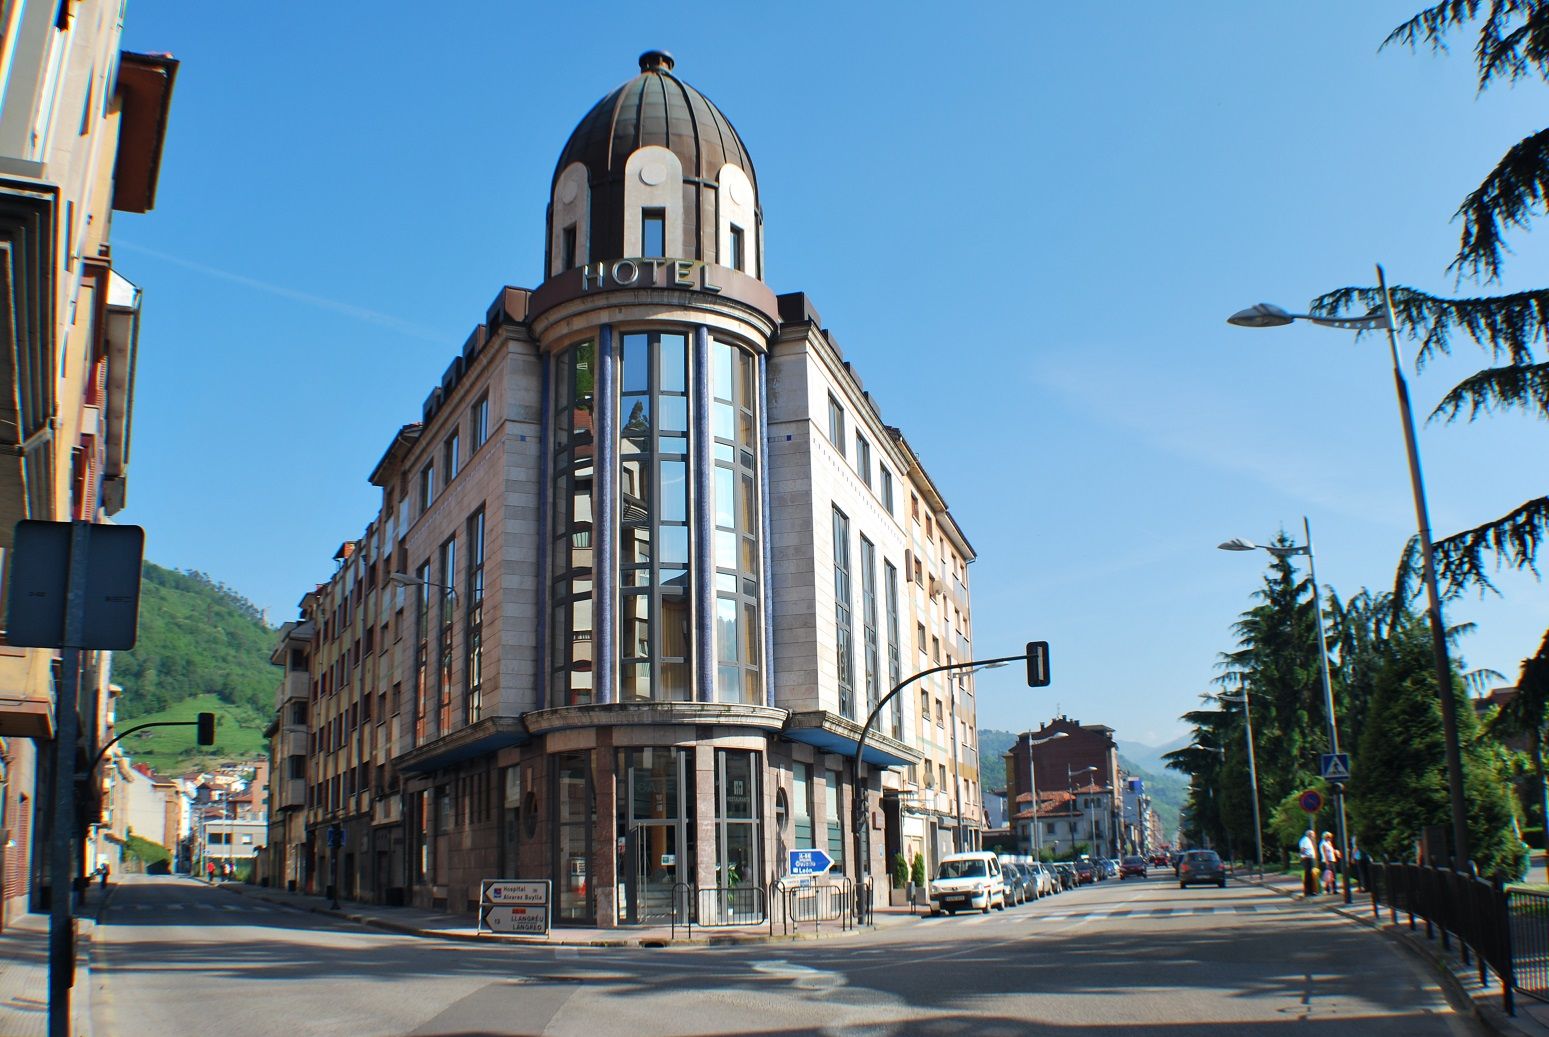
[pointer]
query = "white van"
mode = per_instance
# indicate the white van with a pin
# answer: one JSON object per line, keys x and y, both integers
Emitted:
{"x": 968, "y": 880}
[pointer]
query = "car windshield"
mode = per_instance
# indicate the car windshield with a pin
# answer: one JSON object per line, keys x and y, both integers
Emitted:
{"x": 1133, "y": 860}
{"x": 962, "y": 870}
{"x": 1203, "y": 856}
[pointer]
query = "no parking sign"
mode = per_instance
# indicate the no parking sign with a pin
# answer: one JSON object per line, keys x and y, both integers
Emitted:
{"x": 1311, "y": 801}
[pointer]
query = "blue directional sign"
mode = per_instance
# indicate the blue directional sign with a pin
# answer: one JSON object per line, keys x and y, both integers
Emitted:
{"x": 809, "y": 862}
{"x": 1334, "y": 766}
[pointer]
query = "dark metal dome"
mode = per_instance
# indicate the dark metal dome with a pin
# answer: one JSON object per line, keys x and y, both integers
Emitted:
{"x": 655, "y": 107}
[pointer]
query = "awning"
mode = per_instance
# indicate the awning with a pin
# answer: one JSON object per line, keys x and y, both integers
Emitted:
{"x": 485, "y": 737}
{"x": 835, "y": 734}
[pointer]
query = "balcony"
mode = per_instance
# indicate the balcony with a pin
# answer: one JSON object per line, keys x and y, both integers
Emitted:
{"x": 386, "y": 809}
{"x": 293, "y": 741}
{"x": 290, "y": 793}
{"x": 26, "y": 703}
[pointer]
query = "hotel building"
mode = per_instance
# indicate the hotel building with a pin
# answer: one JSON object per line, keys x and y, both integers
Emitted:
{"x": 641, "y": 569}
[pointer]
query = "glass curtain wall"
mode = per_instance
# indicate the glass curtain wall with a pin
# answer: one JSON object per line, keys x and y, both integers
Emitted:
{"x": 654, "y": 581}
{"x": 869, "y": 646}
{"x": 894, "y": 673}
{"x": 734, "y": 429}
{"x": 473, "y": 632}
{"x": 574, "y": 455}
{"x": 844, "y": 649}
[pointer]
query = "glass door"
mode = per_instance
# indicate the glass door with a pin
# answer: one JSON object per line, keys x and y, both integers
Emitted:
{"x": 654, "y": 867}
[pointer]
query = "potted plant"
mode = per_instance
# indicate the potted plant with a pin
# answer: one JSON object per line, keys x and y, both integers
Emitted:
{"x": 898, "y": 896}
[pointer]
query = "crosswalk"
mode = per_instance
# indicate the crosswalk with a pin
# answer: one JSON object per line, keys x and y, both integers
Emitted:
{"x": 175, "y": 906}
{"x": 1132, "y": 912}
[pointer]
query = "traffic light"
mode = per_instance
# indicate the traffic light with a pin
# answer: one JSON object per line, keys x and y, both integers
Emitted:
{"x": 206, "y": 728}
{"x": 1037, "y": 664}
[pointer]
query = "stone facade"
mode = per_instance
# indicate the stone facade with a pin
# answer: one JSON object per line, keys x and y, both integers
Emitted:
{"x": 641, "y": 569}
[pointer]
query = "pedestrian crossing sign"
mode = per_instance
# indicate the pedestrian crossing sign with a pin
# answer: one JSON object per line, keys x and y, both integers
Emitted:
{"x": 1335, "y": 766}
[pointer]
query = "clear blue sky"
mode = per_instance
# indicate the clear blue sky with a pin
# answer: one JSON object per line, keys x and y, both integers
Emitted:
{"x": 1025, "y": 227}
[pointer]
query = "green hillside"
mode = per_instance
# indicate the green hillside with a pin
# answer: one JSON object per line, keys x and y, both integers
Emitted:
{"x": 201, "y": 646}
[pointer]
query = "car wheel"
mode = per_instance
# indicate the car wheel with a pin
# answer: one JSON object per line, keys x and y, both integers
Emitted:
{"x": 952, "y": 912}
{"x": 986, "y": 908}
{"x": 1183, "y": 885}
{"x": 1222, "y": 883}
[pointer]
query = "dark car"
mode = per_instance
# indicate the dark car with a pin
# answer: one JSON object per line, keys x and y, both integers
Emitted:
{"x": 1085, "y": 873}
{"x": 1201, "y": 866}
{"x": 1067, "y": 875}
{"x": 1132, "y": 866}
{"x": 1020, "y": 886}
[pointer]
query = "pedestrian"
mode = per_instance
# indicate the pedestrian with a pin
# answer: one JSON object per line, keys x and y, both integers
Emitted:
{"x": 1308, "y": 849}
{"x": 103, "y": 871}
{"x": 209, "y": 871}
{"x": 1328, "y": 854}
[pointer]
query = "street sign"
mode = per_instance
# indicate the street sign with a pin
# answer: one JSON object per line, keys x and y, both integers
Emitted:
{"x": 515, "y": 906}
{"x": 809, "y": 862}
{"x": 515, "y": 918}
{"x": 40, "y": 562}
{"x": 517, "y": 892}
{"x": 1311, "y": 801}
{"x": 1334, "y": 766}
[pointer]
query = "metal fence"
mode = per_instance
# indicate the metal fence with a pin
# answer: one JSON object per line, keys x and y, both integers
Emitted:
{"x": 1479, "y": 914}
{"x": 1528, "y": 932}
{"x": 712, "y": 906}
{"x": 800, "y": 905}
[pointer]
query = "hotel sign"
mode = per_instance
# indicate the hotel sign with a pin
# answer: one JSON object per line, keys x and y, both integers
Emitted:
{"x": 648, "y": 273}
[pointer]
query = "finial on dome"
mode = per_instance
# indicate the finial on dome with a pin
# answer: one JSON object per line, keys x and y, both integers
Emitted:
{"x": 656, "y": 61}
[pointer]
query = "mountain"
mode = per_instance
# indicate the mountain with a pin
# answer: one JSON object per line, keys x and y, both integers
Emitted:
{"x": 1149, "y": 757}
{"x": 200, "y": 645}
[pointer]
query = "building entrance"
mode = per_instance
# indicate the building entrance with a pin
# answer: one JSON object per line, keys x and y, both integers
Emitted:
{"x": 655, "y": 845}
{"x": 651, "y": 872}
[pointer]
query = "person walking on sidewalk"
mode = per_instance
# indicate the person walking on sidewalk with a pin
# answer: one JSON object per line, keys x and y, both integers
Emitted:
{"x": 1328, "y": 853}
{"x": 1308, "y": 849}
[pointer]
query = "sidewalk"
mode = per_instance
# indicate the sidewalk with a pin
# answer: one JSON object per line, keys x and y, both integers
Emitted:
{"x": 1460, "y": 980}
{"x": 417, "y": 922}
{"x": 24, "y": 972}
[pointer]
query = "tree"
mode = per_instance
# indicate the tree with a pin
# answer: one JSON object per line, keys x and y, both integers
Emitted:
{"x": 1525, "y": 714}
{"x": 1512, "y": 44}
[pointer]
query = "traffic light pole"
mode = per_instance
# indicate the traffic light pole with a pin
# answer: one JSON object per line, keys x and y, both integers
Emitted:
{"x": 1037, "y": 658}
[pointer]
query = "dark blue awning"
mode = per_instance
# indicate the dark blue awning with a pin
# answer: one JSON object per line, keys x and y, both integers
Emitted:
{"x": 835, "y": 734}
{"x": 483, "y": 738}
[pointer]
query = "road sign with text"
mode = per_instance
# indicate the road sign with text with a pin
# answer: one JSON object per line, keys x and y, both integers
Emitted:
{"x": 809, "y": 862}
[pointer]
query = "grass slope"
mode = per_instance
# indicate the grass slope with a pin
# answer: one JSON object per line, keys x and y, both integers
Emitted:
{"x": 171, "y": 750}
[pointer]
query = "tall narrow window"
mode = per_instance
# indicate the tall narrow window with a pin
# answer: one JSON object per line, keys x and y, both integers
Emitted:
{"x": 894, "y": 675}
{"x": 863, "y": 459}
{"x": 567, "y": 253}
{"x": 575, "y": 818}
{"x": 801, "y": 805}
{"x": 473, "y": 623}
{"x": 574, "y": 456}
{"x": 421, "y": 649}
{"x": 449, "y": 456}
{"x": 869, "y": 646}
{"x": 737, "y": 246}
{"x": 835, "y": 819}
{"x": 427, "y": 486}
{"x": 887, "y": 487}
{"x": 733, "y": 425}
{"x": 836, "y": 424}
{"x": 446, "y": 570}
{"x": 843, "y": 648}
{"x": 653, "y": 232}
{"x": 478, "y": 423}
{"x": 654, "y": 507}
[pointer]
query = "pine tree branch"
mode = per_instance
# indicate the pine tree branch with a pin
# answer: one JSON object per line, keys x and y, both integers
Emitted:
{"x": 1508, "y": 197}
{"x": 1513, "y": 41}
{"x": 1513, "y": 539}
{"x": 1505, "y": 326}
{"x": 1498, "y": 388}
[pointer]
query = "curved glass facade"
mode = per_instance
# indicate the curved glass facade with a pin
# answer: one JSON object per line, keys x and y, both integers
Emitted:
{"x": 669, "y": 461}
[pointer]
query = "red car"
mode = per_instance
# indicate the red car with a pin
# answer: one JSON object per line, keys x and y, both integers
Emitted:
{"x": 1132, "y": 866}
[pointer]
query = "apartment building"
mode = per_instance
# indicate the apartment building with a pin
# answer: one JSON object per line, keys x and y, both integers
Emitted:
{"x": 1064, "y": 778}
{"x": 642, "y": 567}
{"x": 81, "y": 131}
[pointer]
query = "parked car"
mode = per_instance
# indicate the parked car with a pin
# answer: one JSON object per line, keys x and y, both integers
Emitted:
{"x": 968, "y": 880}
{"x": 1132, "y": 865}
{"x": 1048, "y": 882}
{"x": 1021, "y": 886}
{"x": 1201, "y": 866}
{"x": 1085, "y": 873}
{"x": 1067, "y": 875}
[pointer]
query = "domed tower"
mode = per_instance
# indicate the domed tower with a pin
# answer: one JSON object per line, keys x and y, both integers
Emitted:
{"x": 654, "y": 170}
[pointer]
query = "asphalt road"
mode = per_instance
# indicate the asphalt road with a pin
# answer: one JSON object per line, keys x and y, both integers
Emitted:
{"x": 1135, "y": 958}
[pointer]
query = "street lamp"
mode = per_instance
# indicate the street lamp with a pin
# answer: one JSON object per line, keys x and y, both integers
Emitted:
{"x": 1253, "y": 774}
{"x": 1070, "y": 786}
{"x": 1265, "y": 315}
{"x": 1032, "y": 785}
{"x": 1238, "y": 544}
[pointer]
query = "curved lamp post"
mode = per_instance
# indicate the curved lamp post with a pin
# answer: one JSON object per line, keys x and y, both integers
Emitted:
{"x": 1032, "y": 786}
{"x": 1265, "y": 315}
{"x": 1238, "y": 544}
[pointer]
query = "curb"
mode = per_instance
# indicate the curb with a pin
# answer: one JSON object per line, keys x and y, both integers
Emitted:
{"x": 1483, "y": 1005}
{"x": 648, "y": 942}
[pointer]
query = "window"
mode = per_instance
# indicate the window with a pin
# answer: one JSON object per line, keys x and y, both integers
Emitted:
{"x": 653, "y": 232}
{"x": 887, "y": 487}
{"x": 835, "y": 818}
{"x": 737, "y": 811}
{"x": 571, "y": 549}
{"x": 735, "y": 544}
{"x": 914, "y": 506}
{"x": 574, "y": 812}
{"x": 427, "y": 486}
{"x": 446, "y": 573}
{"x": 919, "y": 575}
{"x": 943, "y": 774}
{"x": 863, "y": 459}
{"x": 836, "y": 425}
{"x": 940, "y": 715}
{"x": 421, "y": 647}
{"x": 473, "y": 622}
{"x": 844, "y": 650}
{"x": 801, "y": 805}
{"x": 925, "y": 706}
{"x": 567, "y": 253}
{"x": 449, "y": 456}
{"x": 869, "y": 646}
{"x": 935, "y": 648}
{"x": 478, "y": 423}
{"x": 737, "y": 262}
{"x": 894, "y": 666}
{"x": 919, "y": 638}
{"x": 655, "y": 578}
